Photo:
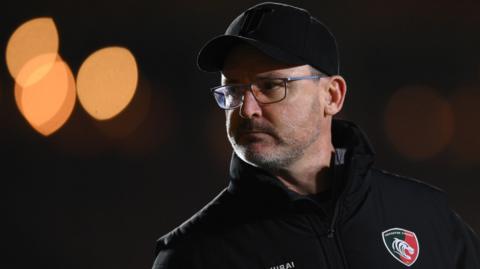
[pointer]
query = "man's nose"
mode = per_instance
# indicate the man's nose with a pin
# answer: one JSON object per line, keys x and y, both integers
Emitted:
{"x": 250, "y": 107}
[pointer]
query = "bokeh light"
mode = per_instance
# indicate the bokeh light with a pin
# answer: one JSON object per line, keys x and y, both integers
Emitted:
{"x": 48, "y": 103}
{"x": 37, "y": 37}
{"x": 466, "y": 108}
{"x": 107, "y": 81}
{"x": 418, "y": 122}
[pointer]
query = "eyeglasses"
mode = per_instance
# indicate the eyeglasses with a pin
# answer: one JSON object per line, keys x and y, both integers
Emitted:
{"x": 265, "y": 91}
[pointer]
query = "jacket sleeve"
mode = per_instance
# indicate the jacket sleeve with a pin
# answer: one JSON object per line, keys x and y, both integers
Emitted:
{"x": 466, "y": 243}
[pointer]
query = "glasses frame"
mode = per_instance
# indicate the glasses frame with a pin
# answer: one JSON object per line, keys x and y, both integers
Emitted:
{"x": 248, "y": 86}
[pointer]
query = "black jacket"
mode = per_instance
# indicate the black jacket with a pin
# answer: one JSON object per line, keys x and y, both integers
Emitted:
{"x": 369, "y": 219}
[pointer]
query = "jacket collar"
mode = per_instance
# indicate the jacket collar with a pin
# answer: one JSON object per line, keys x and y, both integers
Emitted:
{"x": 351, "y": 161}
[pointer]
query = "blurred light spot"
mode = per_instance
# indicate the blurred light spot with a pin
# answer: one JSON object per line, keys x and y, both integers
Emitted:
{"x": 107, "y": 81}
{"x": 466, "y": 108}
{"x": 48, "y": 103}
{"x": 419, "y": 122}
{"x": 37, "y": 37}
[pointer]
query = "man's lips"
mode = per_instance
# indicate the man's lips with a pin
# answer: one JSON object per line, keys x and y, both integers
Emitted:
{"x": 253, "y": 133}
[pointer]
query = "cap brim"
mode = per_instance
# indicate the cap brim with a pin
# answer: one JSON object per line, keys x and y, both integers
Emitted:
{"x": 212, "y": 55}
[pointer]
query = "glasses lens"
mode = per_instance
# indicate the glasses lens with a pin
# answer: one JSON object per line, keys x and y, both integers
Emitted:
{"x": 228, "y": 97}
{"x": 220, "y": 98}
{"x": 269, "y": 90}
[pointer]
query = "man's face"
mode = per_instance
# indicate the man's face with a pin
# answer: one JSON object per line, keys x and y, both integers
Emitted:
{"x": 274, "y": 136}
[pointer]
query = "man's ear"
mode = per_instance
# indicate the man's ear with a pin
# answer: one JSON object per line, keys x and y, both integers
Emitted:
{"x": 335, "y": 95}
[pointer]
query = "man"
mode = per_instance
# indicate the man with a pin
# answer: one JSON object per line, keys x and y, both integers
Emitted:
{"x": 303, "y": 192}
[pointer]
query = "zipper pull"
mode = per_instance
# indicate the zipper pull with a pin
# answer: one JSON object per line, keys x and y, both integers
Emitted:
{"x": 331, "y": 232}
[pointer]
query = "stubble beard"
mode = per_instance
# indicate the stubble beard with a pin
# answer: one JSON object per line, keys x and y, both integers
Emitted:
{"x": 277, "y": 154}
{"x": 275, "y": 158}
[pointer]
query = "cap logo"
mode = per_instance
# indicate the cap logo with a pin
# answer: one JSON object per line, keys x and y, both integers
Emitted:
{"x": 402, "y": 245}
{"x": 253, "y": 19}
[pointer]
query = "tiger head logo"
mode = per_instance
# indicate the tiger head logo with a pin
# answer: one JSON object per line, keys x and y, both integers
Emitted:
{"x": 402, "y": 245}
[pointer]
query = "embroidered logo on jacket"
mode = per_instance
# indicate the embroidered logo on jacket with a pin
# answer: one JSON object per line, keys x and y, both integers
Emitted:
{"x": 287, "y": 265}
{"x": 402, "y": 245}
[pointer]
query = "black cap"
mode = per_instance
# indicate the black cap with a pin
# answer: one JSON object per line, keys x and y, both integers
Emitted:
{"x": 286, "y": 33}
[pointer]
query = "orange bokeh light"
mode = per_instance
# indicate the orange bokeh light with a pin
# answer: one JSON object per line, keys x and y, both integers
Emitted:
{"x": 419, "y": 122}
{"x": 36, "y": 39}
{"x": 107, "y": 81}
{"x": 48, "y": 103}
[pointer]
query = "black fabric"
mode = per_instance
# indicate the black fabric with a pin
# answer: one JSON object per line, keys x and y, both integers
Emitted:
{"x": 286, "y": 33}
{"x": 323, "y": 200}
{"x": 256, "y": 222}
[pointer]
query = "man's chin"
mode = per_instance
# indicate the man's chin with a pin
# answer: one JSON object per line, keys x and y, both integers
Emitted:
{"x": 253, "y": 148}
{"x": 254, "y": 151}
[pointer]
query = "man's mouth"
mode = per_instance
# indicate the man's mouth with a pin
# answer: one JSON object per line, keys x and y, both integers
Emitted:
{"x": 253, "y": 136}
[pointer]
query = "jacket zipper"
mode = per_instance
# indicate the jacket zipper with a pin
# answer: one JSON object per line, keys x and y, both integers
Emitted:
{"x": 332, "y": 233}
{"x": 331, "y": 230}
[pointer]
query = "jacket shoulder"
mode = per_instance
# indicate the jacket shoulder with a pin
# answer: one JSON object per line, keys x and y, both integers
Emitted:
{"x": 405, "y": 188}
{"x": 210, "y": 219}
{"x": 396, "y": 180}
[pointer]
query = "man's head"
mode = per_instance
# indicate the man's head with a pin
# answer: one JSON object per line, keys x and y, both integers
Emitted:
{"x": 273, "y": 40}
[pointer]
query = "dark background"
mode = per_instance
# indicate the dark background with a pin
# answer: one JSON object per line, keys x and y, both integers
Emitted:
{"x": 98, "y": 194}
